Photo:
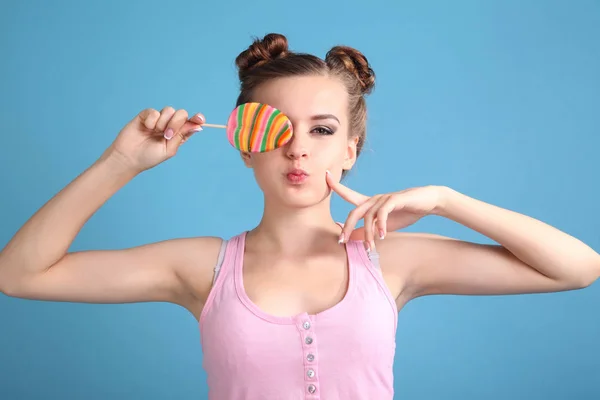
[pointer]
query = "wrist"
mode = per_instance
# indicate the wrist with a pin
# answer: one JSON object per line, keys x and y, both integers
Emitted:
{"x": 446, "y": 197}
{"x": 117, "y": 165}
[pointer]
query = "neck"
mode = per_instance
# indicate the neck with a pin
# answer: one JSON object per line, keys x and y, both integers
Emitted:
{"x": 295, "y": 230}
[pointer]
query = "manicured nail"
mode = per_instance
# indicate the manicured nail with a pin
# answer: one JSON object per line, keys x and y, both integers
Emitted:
{"x": 198, "y": 129}
{"x": 169, "y": 134}
{"x": 327, "y": 172}
{"x": 368, "y": 247}
{"x": 381, "y": 234}
{"x": 341, "y": 239}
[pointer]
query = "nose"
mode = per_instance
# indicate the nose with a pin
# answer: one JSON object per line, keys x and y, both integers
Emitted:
{"x": 297, "y": 147}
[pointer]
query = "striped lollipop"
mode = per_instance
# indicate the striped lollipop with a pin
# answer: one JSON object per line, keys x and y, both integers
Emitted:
{"x": 257, "y": 128}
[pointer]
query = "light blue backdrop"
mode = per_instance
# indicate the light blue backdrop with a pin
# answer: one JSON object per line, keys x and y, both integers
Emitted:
{"x": 497, "y": 99}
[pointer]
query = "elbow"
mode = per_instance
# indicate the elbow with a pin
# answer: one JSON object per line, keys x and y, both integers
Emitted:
{"x": 3, "y": 278}
{"x": 587, "y": 275}
{"x": 6, "y": 290}
{"x": 12, "y": 284}
{"x": 3, "y": 284}
{"x": 5, "y": 287}
{"x": 12, "y": 280}
{"x": 594, "y": 272}
{"x": 10, "y": 288}
{"x": 7, "y": 283}
{"x": 584, "y": 282}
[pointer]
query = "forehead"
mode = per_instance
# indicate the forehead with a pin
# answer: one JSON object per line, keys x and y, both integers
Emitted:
{"x": 303, "y": 96}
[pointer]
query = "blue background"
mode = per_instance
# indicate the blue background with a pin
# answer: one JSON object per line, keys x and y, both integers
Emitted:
{"x": 497, "y": 99}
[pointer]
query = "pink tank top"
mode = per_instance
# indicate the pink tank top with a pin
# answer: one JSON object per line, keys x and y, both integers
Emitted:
{"x": 345, "y": 352}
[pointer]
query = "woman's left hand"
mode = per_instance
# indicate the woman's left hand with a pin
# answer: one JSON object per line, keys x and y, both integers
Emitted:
{"x": 383, "y": 213}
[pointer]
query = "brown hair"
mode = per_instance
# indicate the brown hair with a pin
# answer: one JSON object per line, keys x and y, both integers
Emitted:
{"x": 270, "y": 58}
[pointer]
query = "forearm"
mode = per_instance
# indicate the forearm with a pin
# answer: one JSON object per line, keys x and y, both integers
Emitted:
{"x": 539, "y": 245}
{"x": 46, "y": 237}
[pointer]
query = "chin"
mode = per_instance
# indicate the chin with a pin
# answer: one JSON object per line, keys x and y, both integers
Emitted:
{"x": 295, "y": 197}
{"x": 300, "y": 201}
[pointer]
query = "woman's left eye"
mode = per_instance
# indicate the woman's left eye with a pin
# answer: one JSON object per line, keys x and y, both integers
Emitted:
{"x": 322, "y": 130}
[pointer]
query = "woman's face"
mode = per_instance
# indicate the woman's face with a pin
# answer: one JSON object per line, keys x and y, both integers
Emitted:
{"x": 294, "y": 175}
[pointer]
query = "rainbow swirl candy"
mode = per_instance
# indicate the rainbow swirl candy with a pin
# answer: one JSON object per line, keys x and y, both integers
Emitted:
{"x": 256, "y": 127}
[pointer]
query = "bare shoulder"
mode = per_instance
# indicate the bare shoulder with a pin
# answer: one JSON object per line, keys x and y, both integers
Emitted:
{"x": 197, "y": 258}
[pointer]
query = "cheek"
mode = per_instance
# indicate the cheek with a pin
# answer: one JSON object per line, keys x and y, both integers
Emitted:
{"x": 330, "y": 154}
{"x": 265, "y": 165}
{"x": 264, "y": 161}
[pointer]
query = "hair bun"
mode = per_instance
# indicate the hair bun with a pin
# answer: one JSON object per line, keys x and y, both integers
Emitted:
{"x": 344, "y": 57}
{"x": 261, "y": 51}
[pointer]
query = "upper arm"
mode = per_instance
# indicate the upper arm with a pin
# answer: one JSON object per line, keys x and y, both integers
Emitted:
{"x": 426, "y": 264}
{"x": 170, "y": 271}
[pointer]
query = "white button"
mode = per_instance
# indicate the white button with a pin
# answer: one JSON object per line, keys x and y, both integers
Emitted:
{"x": 312, "y": 389}
{"x": 310, "y": 357}
{"x": 306, "y": 325}
{"x": 310, "y": 373}
{"x": 308, "y": 340}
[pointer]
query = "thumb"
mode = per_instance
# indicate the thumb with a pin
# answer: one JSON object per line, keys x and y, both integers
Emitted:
{"x": 181, "y": 137}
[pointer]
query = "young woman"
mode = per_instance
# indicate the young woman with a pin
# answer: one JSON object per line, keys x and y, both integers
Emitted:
{"x": 300, "y": 307}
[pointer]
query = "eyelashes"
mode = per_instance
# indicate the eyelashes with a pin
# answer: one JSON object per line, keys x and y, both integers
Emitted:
{"x": 323, "y": 130}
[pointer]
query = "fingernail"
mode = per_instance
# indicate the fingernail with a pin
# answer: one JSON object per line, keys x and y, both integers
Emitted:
{"x": 341, "y": 239}
{"x": 381, "y": 234}
{"x": 169, "y": 134}
{"x": 367, "y": 247}
{"x": 200, "y": 117}
{"x": 198, "y": 129}
{"x": 327, "y": 172}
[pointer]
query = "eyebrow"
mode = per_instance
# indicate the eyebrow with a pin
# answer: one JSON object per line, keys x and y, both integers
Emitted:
{"x": 325, "y": 116}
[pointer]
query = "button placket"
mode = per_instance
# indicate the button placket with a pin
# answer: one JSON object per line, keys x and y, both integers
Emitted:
{"x": 311, "y": 373}
{"x": 309, "y": 346}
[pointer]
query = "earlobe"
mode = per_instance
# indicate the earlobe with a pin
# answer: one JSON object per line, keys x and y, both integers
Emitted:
{"x": 348, "y": 164}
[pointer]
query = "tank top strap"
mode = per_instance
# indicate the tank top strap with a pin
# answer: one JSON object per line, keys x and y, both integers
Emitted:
{"x": 223, "y": 268}
{"x": 222, "y": 250}
{"x": 372, "y": 256}
{"x": 369, "y": 260}
{"x": 358, "y": 253}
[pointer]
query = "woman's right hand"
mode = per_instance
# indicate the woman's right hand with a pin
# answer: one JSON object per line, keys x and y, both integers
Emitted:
{"x": 153, "y": 137}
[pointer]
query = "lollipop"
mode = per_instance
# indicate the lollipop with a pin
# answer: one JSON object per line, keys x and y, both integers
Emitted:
{"x": 257, "y": 128}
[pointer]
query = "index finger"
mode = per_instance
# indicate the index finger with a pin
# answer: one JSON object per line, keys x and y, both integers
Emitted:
{"x": 194, "y": 123}
{"x": 345, "y": 192}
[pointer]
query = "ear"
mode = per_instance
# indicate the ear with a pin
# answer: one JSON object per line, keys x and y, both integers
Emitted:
{"x": 350, "y": 153}
{"x": 247, "y": 158}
